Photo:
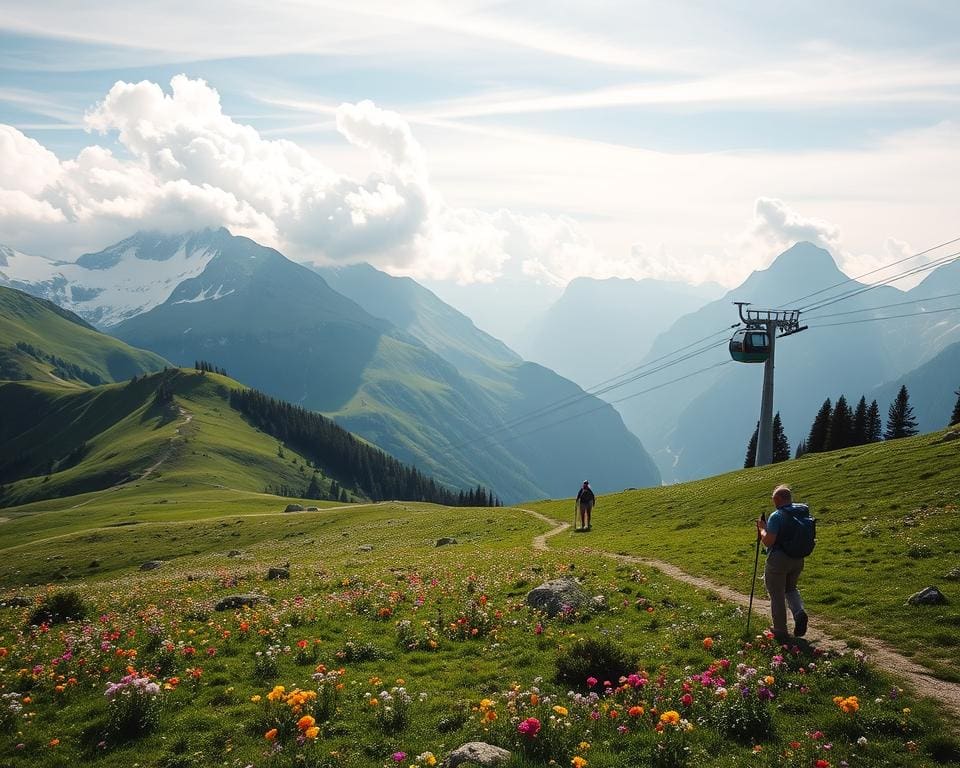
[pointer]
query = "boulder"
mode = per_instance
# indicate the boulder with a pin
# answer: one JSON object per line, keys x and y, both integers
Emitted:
{"x": 556, "y": 596}
{"x": 599, "y": 603}
{"x": 294, "y": 508}
{"x": 232, "y": 602}
{"x": 445, "y": 541}
{"x": 365, "y": 548}
{"x": 927, "y": 596}
{"x": 278, "y": 573}
{"x": 151, "y": 565}
{"x": 478, "y": 753}
{"x": 234, "y": 553}
{"x": 313, "y": 509}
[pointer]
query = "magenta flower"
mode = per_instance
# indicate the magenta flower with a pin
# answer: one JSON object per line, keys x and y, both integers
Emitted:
{"x": 529, "y": 727}
{"x": 592, "y": 681}
{"x": 399, "y": 757}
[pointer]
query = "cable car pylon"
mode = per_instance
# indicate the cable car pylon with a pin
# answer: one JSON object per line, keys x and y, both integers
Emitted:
{"x": 756, "y": 343}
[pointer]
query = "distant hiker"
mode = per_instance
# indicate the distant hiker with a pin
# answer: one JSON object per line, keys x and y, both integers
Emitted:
{"x": 788, "y": 536}
{"x": 585, "y": 502}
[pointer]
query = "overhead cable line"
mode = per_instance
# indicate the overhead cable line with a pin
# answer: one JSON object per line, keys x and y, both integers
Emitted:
{"x": 886, "y": 306}
{"x": 873, "y": 271}
{"x": 894, "y": 278}
{"x": 888, "y": 317}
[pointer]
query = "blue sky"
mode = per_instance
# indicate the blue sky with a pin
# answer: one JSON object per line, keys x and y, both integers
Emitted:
{"x": 536, "y": 140}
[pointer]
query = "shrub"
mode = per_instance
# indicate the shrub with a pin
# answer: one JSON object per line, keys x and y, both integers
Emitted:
{"x": 744, "y": 716}
{"x": 66, "y": 605}
{"x": 602, "y": 659}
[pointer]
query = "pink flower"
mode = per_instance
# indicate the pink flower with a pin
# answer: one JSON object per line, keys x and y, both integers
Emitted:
{"x": 399, "y": 757}
{"x": 591, "y": 681}
{"x": 686, "y": 700}
{"x": 529, "y": 727}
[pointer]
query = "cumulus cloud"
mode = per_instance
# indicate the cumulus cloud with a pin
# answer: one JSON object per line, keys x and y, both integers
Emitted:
{"x": 185, "y": 164}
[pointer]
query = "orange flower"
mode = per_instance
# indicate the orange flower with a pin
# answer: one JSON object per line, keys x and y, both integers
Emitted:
{"x": 534, "y": 699}
{"x": 635, "y": 711}
{"x": 707, "y": 643}
{"x": 270, "y": 735}
{"x": 54, "y": 742}
{"x": 307, "y": 721}
{"x": 311, "y": 733}
{"x": 670, "y": 717}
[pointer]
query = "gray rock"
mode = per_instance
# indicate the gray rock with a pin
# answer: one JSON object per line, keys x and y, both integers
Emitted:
{"x": 278, "y": 573}
{"x": 232, "y": 602}
{"x": 557, "y": 595}
{"x": 365, "y": 548}
{"x": 477, "y": 752}
{"x": 151, "y": 565}
{"x": 313, "y": 509}
{"x": 234, "y": 553}
{"x": 953, "y": 574}
{"x": 294, "y": 508}
{"x": 446, "y": 540}
{"x": 599, "y": 603}
{"x": 927, "y": 596}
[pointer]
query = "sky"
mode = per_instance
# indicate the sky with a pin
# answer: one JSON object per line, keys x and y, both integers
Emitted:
{"x": 467, "y": 142}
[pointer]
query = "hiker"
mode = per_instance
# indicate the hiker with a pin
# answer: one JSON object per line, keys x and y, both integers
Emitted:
{"x": 782, "y": 571}
{"x": 585, "y": 502}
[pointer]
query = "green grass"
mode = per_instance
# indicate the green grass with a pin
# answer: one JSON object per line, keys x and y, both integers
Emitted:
{"x": 59, "y": 333}
{"x": 888, "y": 524}
{"x": 347, "y": 606}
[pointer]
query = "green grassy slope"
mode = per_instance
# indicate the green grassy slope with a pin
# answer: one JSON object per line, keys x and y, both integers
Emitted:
{"x": 888, "y": 525}
{"x": 91, "y": 440}
{"x": 55, "y": 332}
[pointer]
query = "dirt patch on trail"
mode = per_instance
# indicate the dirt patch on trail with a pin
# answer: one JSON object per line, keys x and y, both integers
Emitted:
{"x": 821, "y": 633}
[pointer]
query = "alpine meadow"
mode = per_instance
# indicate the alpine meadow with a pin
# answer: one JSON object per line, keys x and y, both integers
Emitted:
{"x": 498, "y": 385}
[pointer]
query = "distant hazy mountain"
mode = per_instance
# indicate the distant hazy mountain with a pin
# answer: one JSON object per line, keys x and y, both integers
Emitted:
{"x": 281, "y": 328}
{"x": 43, "y": 342}
{"x": 701, "y": 425}
{"x": 932, "y": 387}
{"x": 599, "y": 328}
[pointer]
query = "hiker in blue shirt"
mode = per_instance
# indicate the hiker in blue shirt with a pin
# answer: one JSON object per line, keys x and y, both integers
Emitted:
{"x": 782, "y": 570}
{"x": 585, "y": 502}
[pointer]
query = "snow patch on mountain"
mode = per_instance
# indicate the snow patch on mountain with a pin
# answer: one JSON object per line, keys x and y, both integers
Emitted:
{"x": 205, "y": 295}
{"x": 107, "y": 288}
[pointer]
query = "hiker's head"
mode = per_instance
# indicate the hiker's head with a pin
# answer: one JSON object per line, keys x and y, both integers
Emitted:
{"x": 782, "y": 495}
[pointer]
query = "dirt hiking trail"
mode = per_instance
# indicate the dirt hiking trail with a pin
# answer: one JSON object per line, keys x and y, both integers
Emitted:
{"x": 821, "y": 633}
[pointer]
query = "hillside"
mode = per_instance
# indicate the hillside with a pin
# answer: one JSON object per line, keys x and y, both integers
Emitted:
{"x": 888, "y": 525}
{"x": 933, "y": 389}
{"x": 41, "y": 341}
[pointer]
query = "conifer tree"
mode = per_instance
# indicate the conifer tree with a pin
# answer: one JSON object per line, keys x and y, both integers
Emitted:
{"x": 313, "y": 490}
{"x": 859, "y": 434}
{"x": 801, "y": 449}
{"x": 874, "y": 425}
{"x": 900, "y": 419}
{"x": 817, "y": 439}
{"x": 750, "y": 460}
{"x": 841, "y": 426}
{"x": 955, "y": 418}
{"x": 781, "y": 446}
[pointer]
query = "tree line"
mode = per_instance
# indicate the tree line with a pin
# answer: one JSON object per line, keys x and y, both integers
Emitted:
{"x": 368, "y": 470}
{"x": 62, "y": 368}
{"x": 204, "y": 367}
{"x": 836, "y": 426}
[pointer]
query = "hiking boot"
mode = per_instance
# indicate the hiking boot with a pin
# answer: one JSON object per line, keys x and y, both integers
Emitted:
{"x": 801, "y": 626}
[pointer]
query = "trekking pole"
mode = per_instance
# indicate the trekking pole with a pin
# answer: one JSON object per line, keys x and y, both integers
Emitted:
{"x": 753, "y": 582}
{"x": 575, "y": 517}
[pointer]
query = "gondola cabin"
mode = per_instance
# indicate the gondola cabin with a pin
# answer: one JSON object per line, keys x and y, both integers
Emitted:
{"x": 750, "y": 345}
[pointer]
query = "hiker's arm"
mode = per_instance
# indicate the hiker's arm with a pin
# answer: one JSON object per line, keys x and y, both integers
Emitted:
{"x": 767, "y": 538}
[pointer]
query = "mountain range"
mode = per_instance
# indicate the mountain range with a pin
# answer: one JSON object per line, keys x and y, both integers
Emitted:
{"x": 398, "y": 367}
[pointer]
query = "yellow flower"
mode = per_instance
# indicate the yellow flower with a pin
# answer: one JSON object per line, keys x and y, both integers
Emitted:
{"x": 562, "y": 711}
{"x": 311, "y": 733}
{"x": 486, "y": 704}
{"x": 583, "y": 746}
{"x": 670, "y": 717}
{"x": 255, "y": 699}
{"x": 769, "y": 680}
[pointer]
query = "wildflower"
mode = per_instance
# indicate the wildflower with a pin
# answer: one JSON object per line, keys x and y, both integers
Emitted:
{"x": 769, "y": 680}
{"x": 591, "y": 681}
{"x": 256, "y": 699}
{"x": 583, "y": 746}
{"x": 686, "y": 700}
{"x": 635, "y": 711}
{"x": 399, "y": 757}
{"x": 862, "y": 741}
{"x": 562, "y": 711}
{"x": 707, "y": 643}
{"x": 821, "y": 763}
{"x": 311, "y": 732}
{"x": 529, "y": 727}
{"x": 305, "y": 722}
{"x": 490, "y": 716}
{"x": 578, "y": 762}
{"x": 670, "y": 717}
{"x": 270, "y": 735}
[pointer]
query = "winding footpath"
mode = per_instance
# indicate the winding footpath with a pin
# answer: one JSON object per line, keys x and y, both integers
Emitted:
{"x": 822, "y": 633}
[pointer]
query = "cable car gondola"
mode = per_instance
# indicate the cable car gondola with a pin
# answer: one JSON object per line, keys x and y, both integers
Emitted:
{"x": 750, "y": 345}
